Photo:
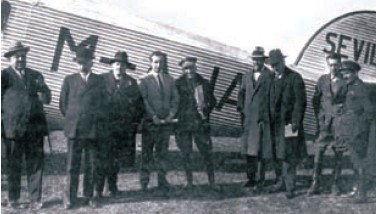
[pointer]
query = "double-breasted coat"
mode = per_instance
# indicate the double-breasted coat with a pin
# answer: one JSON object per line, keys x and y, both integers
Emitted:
{"x": 22, "y": 108}
{"x": 288, "y": 103}
{"x": 81, "y": 103}
{"x": 353, "y": 119}
{"x": 254, "y": 104}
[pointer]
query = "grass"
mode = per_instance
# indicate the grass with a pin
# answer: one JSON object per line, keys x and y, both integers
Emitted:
{"x": 230, "y": 197}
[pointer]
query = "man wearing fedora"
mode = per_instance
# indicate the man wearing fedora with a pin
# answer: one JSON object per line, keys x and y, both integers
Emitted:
{"x": 254, "y": 104}
{"x": 196, "y": 103}
{"x": 354, "y": 113}
{"x": 81, "y": 103}
{"x": 123, "y": 110}
{"x": 288, "y": 102}
{"x": 161, "y": 101}
{"x": 328, "y": 88}
{"x": 23, "y": 93}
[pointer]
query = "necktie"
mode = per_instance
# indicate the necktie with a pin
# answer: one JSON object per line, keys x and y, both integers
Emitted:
{"x": 161, "y": 86}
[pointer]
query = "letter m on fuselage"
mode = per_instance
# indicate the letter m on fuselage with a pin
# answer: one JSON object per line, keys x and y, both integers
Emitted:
{"x": 65, "y": 35}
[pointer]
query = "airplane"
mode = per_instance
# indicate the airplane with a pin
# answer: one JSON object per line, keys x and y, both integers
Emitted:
{"x": 54, "y": 34}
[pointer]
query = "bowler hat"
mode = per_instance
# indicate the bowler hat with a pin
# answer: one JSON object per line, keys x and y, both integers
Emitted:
{"x": 350, "y": 65}
{"x": 15, "y": 47}
{"x": 122, "y": 57}
{"x": 259, "y": 52}
{"x": 83, "y": 53}
{"x": 275, "y": 56}
{"x": 188, "y": 59}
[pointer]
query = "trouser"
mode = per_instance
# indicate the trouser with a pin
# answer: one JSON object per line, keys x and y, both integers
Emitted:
{"x": 32, "y": 147}
{"x": 203, "y": 143}
{"x": 288, "y": 170}
{"x": 255, "y": 168}
{"x": 75, "y": 149}
{"x": 158, "y": 138}
{"x": 110, "y": 164}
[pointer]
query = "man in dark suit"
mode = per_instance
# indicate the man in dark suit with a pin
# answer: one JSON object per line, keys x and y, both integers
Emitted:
{"x": 254, "y": 103}
{"x": 123, "y": 109}
{"x": 23, "y": 93}
{"x": 161, "y": 101}
{"x": 288, "y": 102}
{"x": 81, "y": 103}
{"x": 354, "y": 114}
{"x": 328, "y": 88}
{"x": 196, "y": 103}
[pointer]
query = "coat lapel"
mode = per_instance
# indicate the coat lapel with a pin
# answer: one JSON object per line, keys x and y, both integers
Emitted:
{"x": 259, "y": 82}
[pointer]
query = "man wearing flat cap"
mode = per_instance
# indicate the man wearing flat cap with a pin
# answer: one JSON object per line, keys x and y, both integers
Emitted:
{"x": 352, "y": 121}
{"x": 254, "y": 103}
{"x": 81, "y": 103}
{"x": 328, "y": 88}
{"x": 123, "y": 111}
{"x": 196, "y": 103}
{"x": 288, "y": 102}
{"x": 23, "y": 93}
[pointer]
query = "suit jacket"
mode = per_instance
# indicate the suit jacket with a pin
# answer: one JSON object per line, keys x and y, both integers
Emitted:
{"x": 188, "y": 113}
{"x": 123, "y": 104}
{"x": 157, "y": 103}
{"x": 254, "y": 104}
{"x": 323, "y": 101}
{"x": 82, "y": 104}
{"x": 22, "y": 108}
{"x": 288, "y": 103}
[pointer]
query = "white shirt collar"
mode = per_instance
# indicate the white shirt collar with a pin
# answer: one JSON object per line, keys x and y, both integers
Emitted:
{"x": 85, "y": 77}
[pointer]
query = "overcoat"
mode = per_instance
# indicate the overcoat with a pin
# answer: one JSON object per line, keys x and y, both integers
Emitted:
{"x": 288, "y": 103}
{"x": 254, "y": 103}
{"x": 354, "y": 118}
{"x": 22, "y": 108}
{"x": 81, "y": 103}
{"x": 123, "y": 104}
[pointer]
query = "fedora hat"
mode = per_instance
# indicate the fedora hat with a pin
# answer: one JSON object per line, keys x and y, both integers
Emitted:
{"x": 15, "y": 47}
{"x": 122, "y": 57}
{"x": 275, "y": 56}
{"x": 259, "y": 52}
{"x": 350, "y": 65}
{"x": 187, "y": 59}
{"x": 83, "y": 53}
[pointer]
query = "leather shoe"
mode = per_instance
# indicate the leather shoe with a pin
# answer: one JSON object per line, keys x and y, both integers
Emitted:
{"x": 290, "y": 194}
{"x": 35, "y": 206}
{"x": 250, "y": 183}
{"x": 114, "y": 193}
{"x": 93, "y": 204}
{"x": 14, "y": 205}
{"x": 68, "y": 205}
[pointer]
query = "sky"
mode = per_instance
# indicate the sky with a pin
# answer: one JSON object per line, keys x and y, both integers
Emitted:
{"x": 286, "y": 24}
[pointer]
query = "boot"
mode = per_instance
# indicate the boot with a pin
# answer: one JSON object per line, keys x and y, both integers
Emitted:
{"x": 314, "y": 189}
{"x": 336, "y": 190}
{"x": 361, "y": 196}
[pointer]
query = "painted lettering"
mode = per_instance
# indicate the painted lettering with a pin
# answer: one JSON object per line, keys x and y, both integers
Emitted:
{"x": 331, "y": 43}
{"x": 341, "y": 44}
{"x": 226, "y": 97}
{"x": 358, "y": 48}
{"x": 65, "y": 35}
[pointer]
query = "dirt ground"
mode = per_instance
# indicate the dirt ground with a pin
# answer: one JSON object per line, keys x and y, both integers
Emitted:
{"x": 230, "y": 197}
